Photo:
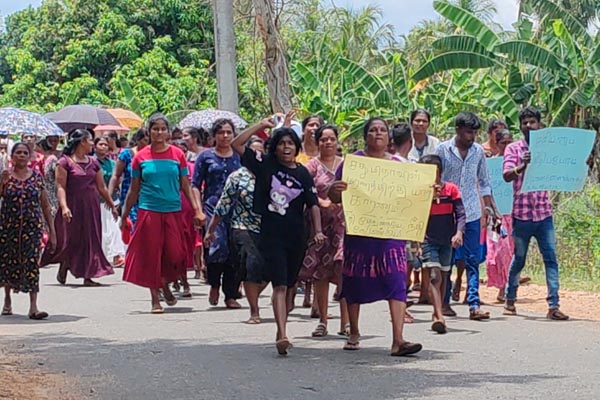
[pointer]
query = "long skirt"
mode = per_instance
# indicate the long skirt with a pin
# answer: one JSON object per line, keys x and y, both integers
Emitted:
{"x": 112, "y": 245}
{"x": 374, "y": 269}
{"x": 157, "y": 250}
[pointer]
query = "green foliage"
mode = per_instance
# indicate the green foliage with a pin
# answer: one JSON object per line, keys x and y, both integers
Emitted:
{"x": 577, "y": 224}
{"x": 75, "y": 51}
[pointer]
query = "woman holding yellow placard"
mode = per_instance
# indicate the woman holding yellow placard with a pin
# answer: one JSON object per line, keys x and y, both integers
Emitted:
{"x": 374, "y": 269}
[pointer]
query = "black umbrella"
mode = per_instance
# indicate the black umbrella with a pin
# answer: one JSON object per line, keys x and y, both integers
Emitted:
{"x": 81, "y": 117}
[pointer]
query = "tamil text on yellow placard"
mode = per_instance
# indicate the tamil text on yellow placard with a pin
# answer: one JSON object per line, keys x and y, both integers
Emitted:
{"x": 387, "y": 199}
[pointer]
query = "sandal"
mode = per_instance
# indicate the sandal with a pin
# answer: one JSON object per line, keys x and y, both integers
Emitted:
{"x": 320, "y": 330}
{"x": 456, "y": 293}
{"x": 408, "y": 317}
{"x": 255, "y": 320}
{"x": 283, "y": 346}
{"x": 213, "y": 297}
{"x": 187, "y": 293}
{"x": 91, "y": 283}
{"x": 345, "y": 331}
{"x": 556, "y": 315}
{"x": 406, "y": 349}
{"x": 477, "y": 315}
{"x": 447, "y": 311}
{"x": 7, "y": 311}
{"x": 157, "y": 310}
{"x": 352, "y": 345}
{"x": 232, "y": 304}
{"x": 509, "y": 308}
{"x": 439, "y": 327}
{"x": 38, "y": 315}
{"x": 171, "y": 300}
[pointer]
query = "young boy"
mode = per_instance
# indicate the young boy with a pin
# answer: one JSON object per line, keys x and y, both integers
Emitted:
{"x": 444, "y": 232}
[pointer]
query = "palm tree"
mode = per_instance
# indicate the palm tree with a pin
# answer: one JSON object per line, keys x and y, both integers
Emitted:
{"x": 585, "y": 11}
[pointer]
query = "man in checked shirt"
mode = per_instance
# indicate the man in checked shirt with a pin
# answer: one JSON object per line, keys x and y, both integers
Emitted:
{"x": 532, "y": 217}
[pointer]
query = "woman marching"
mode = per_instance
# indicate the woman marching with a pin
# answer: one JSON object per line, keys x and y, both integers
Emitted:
{"x": 24, "y": 202}
{"x": 374, "y": 269}
{"x": 157, "y": 253}
{"x": 283, "y": 189}
{"x": 323, "y": 264}
{"x": 78, "y": 225}
{"x": 211, "y": 170}
{"x": 112, "y": 245}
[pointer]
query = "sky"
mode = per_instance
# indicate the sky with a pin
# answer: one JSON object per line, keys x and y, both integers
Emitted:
{"x": 403, "y": 14}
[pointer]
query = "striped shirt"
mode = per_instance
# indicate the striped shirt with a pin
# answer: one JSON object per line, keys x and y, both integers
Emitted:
{"x": 532, "y": 206}
{"x": 470, "y": 175}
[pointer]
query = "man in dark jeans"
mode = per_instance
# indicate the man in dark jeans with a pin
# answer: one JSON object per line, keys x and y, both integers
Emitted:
{"x": 464, "y": 164}
{"x": 532, "y": 218}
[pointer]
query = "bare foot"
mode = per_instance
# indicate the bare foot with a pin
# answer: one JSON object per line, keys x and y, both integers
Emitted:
{"x": 213, "y": 296}
{"x": 233, "y": 304}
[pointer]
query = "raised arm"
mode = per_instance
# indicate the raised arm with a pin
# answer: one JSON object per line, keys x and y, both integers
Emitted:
{"x": 239, "y": 143}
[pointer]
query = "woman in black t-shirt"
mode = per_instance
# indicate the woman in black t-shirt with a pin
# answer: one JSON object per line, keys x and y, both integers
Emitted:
{"x": 283, "y": 189}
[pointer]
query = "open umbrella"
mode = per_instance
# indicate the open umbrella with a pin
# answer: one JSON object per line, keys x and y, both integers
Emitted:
{"x": 126, "y": 118}
{"x": 205, "y": 119}
{"x": 106, "y": 128}
{"x": 14, "y": 121}
{"x": 82, "y": 117}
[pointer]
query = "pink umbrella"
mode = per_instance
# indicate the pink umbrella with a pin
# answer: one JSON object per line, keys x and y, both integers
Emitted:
{"x": 116, "y": 128}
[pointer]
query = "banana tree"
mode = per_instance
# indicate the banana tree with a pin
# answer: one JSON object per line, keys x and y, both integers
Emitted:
{"x": 553, "y": 68}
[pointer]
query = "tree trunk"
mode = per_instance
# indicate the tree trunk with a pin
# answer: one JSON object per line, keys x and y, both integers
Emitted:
{"x": 276, "y": 70}
{"x": 227, "y": 89}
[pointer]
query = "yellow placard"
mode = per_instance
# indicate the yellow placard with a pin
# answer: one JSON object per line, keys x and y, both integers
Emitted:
{"x": 387, "y": 199}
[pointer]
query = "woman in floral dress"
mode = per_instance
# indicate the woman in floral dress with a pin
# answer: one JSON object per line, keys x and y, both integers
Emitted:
{"x": 21, "y": 227}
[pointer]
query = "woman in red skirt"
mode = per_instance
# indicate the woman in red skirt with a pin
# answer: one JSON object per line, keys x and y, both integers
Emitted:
{"x": 157, "y": 253}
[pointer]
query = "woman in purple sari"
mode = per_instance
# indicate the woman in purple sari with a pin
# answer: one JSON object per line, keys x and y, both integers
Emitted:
{"x": 374, "y": 269}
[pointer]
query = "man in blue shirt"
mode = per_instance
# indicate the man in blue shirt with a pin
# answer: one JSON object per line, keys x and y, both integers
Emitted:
{"x": 464, "y": 165}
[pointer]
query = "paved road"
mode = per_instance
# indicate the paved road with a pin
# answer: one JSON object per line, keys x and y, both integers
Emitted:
{"x": 114, "y": 349}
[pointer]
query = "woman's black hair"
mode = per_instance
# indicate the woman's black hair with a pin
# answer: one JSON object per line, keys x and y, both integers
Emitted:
{"x": 139, "y": 135}
{"x": 502, "y": 133}
{"x": 434, "y": 160}
{"x": 495, "y": 123}
{"x": 278, "y": 135}
{"x": 530, "y": 112}
{"x": 306, "y": 120}
{"x": 112, "y": 134}
{"x": 467, "y": 119}
{"x": 154, "y": 118}
{"x": 197, "y": 133}
{"x": 98, "y": 139}
{"x": 180, "y": 142}
{"x": 401, "y": 133}
{"x": 418, "y": 111}
{"x": 368, "y": 124}
{"x": 75, "y": 138}
{"x": 219, "y": 124}
{"x": 14, "y": 148}
{"x": 323, "y": 128}
{"x": 253, "y": 140}
{"x": 44, "y": 145}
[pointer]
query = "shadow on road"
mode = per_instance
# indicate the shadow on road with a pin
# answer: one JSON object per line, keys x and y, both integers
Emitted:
{"x": 192, "y": 370}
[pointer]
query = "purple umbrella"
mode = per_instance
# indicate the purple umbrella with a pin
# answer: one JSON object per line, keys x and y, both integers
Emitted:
{"x": 81, "y": 117}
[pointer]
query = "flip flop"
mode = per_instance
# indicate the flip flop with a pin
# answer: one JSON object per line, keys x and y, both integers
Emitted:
{"x": 346, "y": 331}
{"x": 38, "y": 315}
{"x": 439, "y": 327}
{"x": 7, "y": 311}
{"x": 171, "y": 302}
{"x": 283, "y": 346}
{"x": 352, "y": 345}
{"x": 254, "y": 321}
{"x": 407, "y": 349}
{"x": 186, "y": 293}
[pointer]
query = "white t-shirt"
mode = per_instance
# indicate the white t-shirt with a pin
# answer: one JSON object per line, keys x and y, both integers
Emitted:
{"x": 431, "y": 145}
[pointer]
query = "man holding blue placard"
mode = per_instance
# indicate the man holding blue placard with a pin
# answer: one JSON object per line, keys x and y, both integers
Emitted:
{"x": 532, "y": 218}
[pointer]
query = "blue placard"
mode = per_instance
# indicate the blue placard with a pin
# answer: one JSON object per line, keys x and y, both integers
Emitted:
{"x": 502, "y": 191}
{"x": 558, "y": 159}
